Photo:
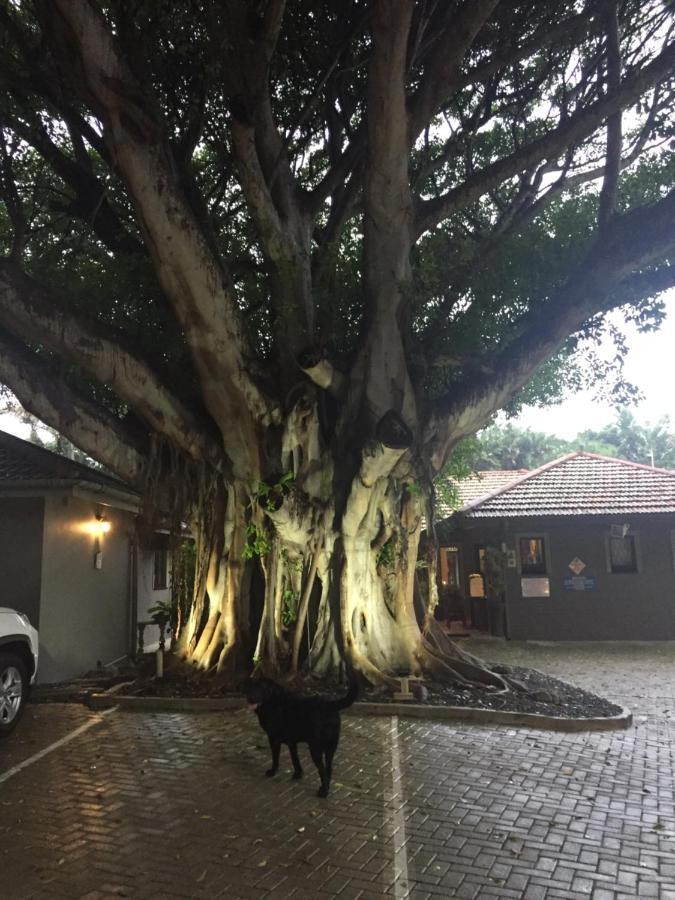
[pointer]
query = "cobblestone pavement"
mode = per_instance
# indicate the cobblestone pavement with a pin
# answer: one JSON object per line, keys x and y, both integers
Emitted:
{"x": 175, "y": 805}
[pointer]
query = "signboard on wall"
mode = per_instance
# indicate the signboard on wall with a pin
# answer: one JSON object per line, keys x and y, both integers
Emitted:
{"x": 577, "y": 565}
{"x": 579, "y": 583}
{"x": 535, "y": 587}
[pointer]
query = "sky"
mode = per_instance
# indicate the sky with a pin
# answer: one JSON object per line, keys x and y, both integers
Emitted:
{"x": 650, "y": 364}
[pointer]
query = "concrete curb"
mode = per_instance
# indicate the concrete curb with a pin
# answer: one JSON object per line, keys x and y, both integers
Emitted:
{"x": 166, "y": 704}
{"x": 494, "y": 716}
{"x": 417, "y": 711}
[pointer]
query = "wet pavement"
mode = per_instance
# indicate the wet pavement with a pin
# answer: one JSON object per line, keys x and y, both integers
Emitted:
{"x": 175, "y": 805}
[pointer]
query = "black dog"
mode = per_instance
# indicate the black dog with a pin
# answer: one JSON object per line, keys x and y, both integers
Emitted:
{"x": 290, "y": 719}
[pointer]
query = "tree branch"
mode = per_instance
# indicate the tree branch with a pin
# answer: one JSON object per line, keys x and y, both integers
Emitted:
{"x": 268, "y": 183}
{"x": 547, "y": 36}
{"x": 96, "y": 432}
{"x": 192, "y": 277}
{"x": 90, "y": 203}
{"x": 571, "y": 132}
{"x": 36, "y": 316}
{"x": 442, "y": 72}
{"x": 605, "y": 279}
{"x": 12, "y": 200}
{"x": 387, "y": 212}
{"x": 610, "y": 182}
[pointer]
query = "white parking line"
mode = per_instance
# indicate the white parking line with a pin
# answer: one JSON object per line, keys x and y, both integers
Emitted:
{"x": 55, "y": 746}
{"x": 396, "y": 809}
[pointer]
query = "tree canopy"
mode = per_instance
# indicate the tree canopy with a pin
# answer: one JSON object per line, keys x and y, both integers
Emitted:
{"x": 244, "y": 240}
{"x": 649, "y": 444}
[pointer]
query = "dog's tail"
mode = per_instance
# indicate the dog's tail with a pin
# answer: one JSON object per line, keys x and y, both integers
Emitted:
{"x": 350, "y": 696}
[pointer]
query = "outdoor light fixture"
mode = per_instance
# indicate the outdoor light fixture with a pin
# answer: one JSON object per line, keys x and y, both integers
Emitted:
{"x": 103, "y": 525}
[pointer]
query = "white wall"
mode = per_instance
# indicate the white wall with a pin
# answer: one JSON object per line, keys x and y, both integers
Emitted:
{"x": 84, "y": 611}
{"x": 149, "y": 596}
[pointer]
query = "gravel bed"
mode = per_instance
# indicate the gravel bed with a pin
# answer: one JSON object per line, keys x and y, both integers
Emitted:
{"x": 532, "y": 692}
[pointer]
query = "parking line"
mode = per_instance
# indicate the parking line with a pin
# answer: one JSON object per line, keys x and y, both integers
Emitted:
{"x": 55, "y": 746}
{"x": 396, "y": 809}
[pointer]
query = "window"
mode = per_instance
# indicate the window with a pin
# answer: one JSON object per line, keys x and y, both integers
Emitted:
{"x": 449, "y": 558}
{"x": 532, "y": 556}
{"x": 622, "y": 553}
{"x": 159, "y": 575}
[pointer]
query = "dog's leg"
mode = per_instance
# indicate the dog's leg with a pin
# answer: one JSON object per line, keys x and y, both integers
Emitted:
{"x": 275, "y": 747}
{"x": 297, "y": 768}
{"x": 317, "y": 758}
{"x": 330, "y": 753}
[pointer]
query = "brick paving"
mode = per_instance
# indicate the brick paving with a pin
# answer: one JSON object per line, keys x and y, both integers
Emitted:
{"x": 175, "y": 805}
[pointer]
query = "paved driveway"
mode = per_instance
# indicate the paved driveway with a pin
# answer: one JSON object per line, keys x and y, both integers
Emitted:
{"x": 175, "y": 805}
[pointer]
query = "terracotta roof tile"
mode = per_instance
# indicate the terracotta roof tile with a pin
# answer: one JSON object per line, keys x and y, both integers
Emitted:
{"x": 480, "y": 484}
{"x": 581, "y": 484}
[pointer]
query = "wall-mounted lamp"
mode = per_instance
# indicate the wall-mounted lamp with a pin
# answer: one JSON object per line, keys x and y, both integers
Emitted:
{"x": 102, "y": 524}
{"x": 101, "y": 527}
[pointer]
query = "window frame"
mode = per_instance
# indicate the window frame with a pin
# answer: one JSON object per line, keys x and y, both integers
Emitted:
{"x": 444, "y": 554}
{"x": 161, "y": 583}
{"x": 637, "y": 556}
{"x": 528, "y": 572}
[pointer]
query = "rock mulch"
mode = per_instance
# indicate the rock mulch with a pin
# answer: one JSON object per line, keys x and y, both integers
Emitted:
{"x": 532, "y": 692}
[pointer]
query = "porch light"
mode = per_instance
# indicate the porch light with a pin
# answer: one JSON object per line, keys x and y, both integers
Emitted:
{"x": 102, "y": 524}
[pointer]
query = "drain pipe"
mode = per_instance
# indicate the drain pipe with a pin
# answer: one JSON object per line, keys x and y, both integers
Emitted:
{"x": 132, "y": 597}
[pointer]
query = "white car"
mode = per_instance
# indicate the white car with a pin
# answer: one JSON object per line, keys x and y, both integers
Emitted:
{"x": 18, "y": 666}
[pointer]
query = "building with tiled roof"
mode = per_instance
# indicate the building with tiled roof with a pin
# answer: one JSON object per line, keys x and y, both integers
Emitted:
{"x": 477, "y": 485}
{"x": 70, "y": 559}
{"x": 24, "y": 465}
{"x": 579, "y": 484}
{"x": 582, "y": 548}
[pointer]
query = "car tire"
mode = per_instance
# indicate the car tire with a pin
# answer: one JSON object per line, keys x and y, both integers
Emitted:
{"x": 13, "y": 691}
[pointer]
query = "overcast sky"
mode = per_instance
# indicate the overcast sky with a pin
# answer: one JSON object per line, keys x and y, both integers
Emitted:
{"x": 650, "y": 364}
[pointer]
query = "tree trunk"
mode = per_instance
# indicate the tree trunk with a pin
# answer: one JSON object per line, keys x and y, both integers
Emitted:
{"x": 355, "y": 554}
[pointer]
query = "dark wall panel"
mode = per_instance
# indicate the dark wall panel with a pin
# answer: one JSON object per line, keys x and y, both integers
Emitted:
{"x": 21, "y": 530}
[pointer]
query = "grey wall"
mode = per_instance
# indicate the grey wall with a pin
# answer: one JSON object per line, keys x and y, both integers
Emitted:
{"x": 636, "y": 606}
{"x": 625, "y": 606}
{"x": 84, "y": 611}
{"x": 21, "y": 554}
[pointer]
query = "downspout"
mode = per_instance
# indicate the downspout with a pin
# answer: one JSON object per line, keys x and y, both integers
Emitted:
{"x": 505, "y": 544}
{"x": 132, "y": 595}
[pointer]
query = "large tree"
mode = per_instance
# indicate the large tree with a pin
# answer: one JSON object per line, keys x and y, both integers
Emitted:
{"x": 651, "y": 445}
{"x": 509, "y": 447}
{"x": 272, "y": 261}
